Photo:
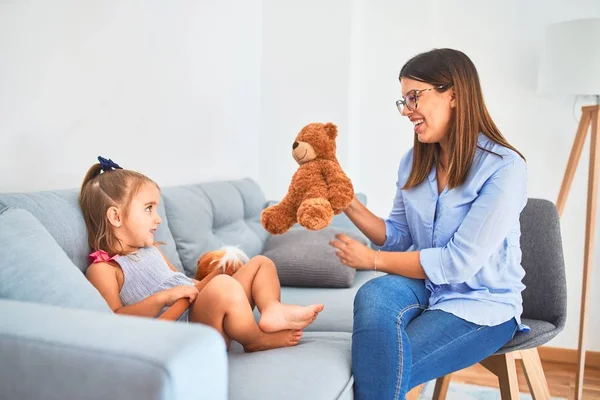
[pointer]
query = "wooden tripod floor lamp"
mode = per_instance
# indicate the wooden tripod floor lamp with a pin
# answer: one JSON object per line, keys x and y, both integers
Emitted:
{"x": 571, "y": 65}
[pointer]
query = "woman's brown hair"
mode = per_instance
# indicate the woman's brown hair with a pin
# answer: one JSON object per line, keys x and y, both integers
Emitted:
{"x": 445, "y": 69}
{"x": 100, "y": 190}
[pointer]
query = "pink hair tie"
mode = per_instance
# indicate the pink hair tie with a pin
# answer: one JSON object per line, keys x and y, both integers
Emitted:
{"x": 101, "y": 256}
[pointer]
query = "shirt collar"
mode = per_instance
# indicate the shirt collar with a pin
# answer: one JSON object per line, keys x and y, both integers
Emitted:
{"x": 482, "y": 140}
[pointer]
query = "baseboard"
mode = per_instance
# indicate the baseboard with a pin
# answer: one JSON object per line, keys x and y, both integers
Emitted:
{"x": 569, "y": 356}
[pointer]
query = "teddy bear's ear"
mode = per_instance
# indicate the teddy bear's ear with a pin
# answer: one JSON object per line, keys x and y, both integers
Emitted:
{"x": 331, "y": 130}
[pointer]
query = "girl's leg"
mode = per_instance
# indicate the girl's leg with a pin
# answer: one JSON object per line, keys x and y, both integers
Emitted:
{"x": 443, "y": 343}
{"x": 381, "y": 351}
{"x": 261, "y": 284}
{"x": 223, "y": 305}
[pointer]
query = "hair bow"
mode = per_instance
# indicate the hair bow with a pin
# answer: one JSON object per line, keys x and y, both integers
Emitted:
{"x": 108, "y": 165}
{"x": 101, "y": 256}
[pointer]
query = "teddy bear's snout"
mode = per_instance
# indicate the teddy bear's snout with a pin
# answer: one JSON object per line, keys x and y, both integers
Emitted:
{"x": 295, "y": 145}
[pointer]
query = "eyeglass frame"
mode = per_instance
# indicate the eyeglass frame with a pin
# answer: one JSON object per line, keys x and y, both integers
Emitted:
{"x": 417, "y": 93}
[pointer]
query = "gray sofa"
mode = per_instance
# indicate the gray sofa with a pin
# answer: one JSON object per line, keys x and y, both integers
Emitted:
{"x": 58, "y": 340}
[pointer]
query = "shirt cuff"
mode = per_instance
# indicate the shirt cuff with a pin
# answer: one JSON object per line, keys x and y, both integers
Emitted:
{"x": 390, "y": 238}
{"x": 431, "y": 261}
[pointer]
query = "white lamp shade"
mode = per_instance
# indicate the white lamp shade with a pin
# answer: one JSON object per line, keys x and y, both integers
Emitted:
{"x": 570, "y": 61}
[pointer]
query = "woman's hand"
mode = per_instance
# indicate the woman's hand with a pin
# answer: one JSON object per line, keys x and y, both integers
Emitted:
{"x": 179, "y": 292}
{"x": 353, "y": 253}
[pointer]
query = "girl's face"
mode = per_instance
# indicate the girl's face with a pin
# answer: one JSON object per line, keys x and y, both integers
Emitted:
{"x": 433, "y": 113}
{"x": 138, "y": 227}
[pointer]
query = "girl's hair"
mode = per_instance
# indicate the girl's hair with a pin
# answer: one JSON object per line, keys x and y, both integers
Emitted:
{"x": 101, "y": 190}
{"x": 445, "y": 69}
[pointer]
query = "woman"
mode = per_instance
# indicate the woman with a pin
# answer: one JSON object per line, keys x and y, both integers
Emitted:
{"x": 450, "y": 247}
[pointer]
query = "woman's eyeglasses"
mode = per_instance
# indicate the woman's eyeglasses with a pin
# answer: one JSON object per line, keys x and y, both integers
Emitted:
{"x": 412, "y": 98}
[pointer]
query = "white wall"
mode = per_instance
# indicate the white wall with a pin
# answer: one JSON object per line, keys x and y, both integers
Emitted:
{"x": 171, "y": 89}
{"x": 305, "y": 74}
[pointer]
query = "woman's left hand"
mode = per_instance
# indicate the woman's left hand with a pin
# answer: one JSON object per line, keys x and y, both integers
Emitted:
{"x": 353, "y": 253}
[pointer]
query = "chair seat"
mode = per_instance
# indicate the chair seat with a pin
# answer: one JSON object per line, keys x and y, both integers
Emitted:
{"x": 540, "y": 333}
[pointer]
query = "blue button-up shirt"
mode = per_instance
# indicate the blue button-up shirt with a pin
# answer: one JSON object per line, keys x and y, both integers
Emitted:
{"x": 468, "y": 236}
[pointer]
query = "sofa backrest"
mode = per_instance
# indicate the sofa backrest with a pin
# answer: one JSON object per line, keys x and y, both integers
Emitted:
{"x": 59, "y": 213}
{"x": 206, "y": 216}
{"x": 195, "y": 218}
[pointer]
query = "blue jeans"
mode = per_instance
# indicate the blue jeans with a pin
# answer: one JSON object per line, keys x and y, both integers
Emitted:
{"x": 397, "y": 346}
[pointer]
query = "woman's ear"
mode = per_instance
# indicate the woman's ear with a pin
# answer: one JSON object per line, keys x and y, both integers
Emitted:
{"x": 452, "y": 98}
{"x": 114, "y": 216}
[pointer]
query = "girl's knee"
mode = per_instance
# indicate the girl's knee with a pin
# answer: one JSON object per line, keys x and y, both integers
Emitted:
{"x": 222, "y": 280}
{"x": 262, "y": 260}
{"x": 224, "y": 287}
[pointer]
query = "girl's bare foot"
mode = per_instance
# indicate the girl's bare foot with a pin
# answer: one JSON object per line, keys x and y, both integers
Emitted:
{"x": 277, "y": 316}
{"x": 274, "y": 340}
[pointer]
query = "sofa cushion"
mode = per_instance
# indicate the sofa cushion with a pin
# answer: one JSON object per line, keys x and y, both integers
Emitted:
{"x": 34, "y": 268}
{"x": 60, "y": 214}
{"x": 204, "y": 217}
{"x": 319, "y": 367}
{"x": 306, "y": 259}
{"x": 338, "y": 312}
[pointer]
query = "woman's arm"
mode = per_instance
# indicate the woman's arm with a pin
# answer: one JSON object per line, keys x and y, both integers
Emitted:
{"x": 371, "y": 225}
{"x": 401, "y": 263}
{"x": 354, "y": 254}
{"x": 492, "y": 216}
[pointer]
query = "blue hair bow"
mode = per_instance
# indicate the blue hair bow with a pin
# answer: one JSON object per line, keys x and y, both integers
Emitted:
{"x": 108, "y": 165}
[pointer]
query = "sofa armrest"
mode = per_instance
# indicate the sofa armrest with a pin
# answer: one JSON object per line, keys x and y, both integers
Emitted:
{"x": 56, "y": 353}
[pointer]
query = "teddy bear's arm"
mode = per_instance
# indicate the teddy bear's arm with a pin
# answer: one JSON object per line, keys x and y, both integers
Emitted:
{"x": 340, "y": 188}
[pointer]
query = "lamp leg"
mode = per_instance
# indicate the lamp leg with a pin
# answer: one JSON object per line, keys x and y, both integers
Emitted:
{"x": 573, "y": 160}
{"x": 592, "y": 199}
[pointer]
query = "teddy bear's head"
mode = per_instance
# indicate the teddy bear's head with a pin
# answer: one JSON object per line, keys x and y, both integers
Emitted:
{"x": 315, "y": 141}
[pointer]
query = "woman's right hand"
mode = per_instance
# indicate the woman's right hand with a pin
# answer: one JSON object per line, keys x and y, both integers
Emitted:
{"x": 179, "y": 292}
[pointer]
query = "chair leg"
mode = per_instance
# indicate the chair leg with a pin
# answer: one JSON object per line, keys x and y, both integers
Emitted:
{"x": 441, "y": 387}
{"x": 532, "y": 365}
{"x": 415, "y": 392}
{"x": 504, "y": 367}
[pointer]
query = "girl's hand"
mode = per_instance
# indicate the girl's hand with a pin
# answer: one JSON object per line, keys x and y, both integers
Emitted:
{"x": 179, "y": 292}
{"x": 353, "y": 253}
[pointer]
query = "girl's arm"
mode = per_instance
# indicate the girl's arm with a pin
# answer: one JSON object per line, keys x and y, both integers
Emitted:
{"x": 104, "y": 278}
{"x": 181, "y": 305}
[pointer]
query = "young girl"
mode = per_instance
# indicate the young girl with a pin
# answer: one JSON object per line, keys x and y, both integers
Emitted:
{"x": 133, "y": 275}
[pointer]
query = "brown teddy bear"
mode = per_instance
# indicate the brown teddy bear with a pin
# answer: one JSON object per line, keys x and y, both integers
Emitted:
{"x": 319, "y": 188}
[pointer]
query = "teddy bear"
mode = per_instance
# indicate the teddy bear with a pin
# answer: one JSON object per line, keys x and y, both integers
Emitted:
{"x": 228, "y": 258}
{"x": 319, "y": 189}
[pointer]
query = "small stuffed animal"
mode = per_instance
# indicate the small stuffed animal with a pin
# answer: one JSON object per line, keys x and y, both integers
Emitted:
{"x": 228, "y": 258}
{"x": 319, "y": 188}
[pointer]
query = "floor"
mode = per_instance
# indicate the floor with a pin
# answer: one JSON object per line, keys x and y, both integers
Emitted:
{"x": 560, "y": 377}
